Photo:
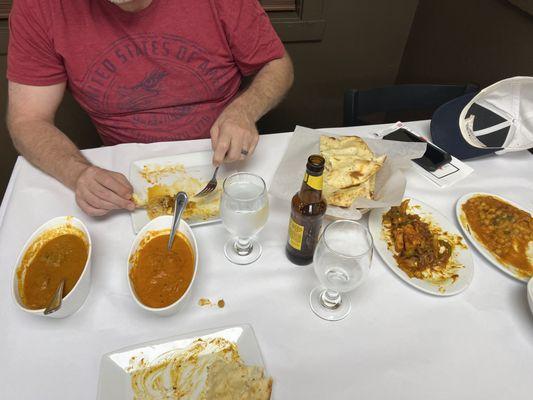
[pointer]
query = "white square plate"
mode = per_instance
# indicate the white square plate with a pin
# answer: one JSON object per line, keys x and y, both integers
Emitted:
{"x": 114, "y": 382}
{"x": 197, "y": 165}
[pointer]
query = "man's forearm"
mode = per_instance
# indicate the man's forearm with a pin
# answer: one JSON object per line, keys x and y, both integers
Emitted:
{"x": 267, "y": 88}
{"x": 45, "y": 146}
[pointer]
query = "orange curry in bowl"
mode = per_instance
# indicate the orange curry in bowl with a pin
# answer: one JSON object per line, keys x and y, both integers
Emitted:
{"x": 504, "y": 230}
{"x": 57, "y": 254}
{"x": 161, "y": 277}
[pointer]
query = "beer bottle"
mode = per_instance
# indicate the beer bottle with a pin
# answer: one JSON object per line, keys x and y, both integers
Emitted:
{"x": 307, "y": 211}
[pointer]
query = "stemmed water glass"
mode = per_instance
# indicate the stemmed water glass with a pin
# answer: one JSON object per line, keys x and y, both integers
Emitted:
{"x": 244, "y": 212}
{"x": 342, "y": 262}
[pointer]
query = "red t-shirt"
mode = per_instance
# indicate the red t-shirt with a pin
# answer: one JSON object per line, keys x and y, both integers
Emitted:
{"x": 163, "y": 73}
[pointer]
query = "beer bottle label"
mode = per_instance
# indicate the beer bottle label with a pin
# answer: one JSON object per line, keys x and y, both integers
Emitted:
{"x": 296, "y": 233}
{"x": 313, "y": 181}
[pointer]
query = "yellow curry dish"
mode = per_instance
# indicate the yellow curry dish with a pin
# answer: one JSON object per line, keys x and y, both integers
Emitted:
{"x": 56, "y": 254}
{"x": 504, "y": 230}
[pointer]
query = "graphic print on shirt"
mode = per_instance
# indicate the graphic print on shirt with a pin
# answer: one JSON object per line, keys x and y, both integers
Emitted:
{"x": 140, "y": 94}
{"x": 146, "y": 77}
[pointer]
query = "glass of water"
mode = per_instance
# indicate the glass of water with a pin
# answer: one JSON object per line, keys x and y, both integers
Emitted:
{"x": 342, "y": 262}
{"x": 244, "y": 212}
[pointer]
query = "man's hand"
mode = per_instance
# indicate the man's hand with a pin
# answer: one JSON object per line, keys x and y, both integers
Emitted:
{"x": 99, "y": 191}
{"x": 30, "y": 122}
{"x": 233, "y": 136}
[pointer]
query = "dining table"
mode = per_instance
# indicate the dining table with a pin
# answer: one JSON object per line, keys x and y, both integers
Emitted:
{"x": 396, "y": 343}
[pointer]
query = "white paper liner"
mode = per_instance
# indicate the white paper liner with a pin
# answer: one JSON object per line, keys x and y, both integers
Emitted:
{"x": 390, "y": 179}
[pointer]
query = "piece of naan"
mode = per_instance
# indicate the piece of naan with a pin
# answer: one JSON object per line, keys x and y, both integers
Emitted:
{"x": 347, "y": 171}
{"x": 346, "y": 145}
{"x": 350, "y": 169}
{"x": 232, "y": 380}
{"x": 161, "y": 200}
{"x": 345, "y": 197}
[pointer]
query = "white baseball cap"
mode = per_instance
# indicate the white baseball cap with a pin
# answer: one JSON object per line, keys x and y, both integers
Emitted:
{"x": 500, "y": 116}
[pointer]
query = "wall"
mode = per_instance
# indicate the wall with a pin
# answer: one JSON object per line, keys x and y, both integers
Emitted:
{"x": 460, "y": 41}
{"x": 361, "y": 47}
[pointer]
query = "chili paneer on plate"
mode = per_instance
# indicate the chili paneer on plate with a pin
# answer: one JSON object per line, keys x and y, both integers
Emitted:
{"x": 501, "y": 231}
{"x": 422, "y": 247}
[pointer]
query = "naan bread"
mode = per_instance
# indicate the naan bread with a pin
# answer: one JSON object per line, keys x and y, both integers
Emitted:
{"x": 228, "y": 380}
{"x": 209, "y": 369}
{"x": 350, "y": 169}
{"x": 345, "y": 197}
{"x": 346, "y": 145}
{"x": 346, "y": 171}
{"x": 161, "y": 199}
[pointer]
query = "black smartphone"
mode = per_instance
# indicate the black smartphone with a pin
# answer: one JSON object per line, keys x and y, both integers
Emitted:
{"x": 432, "y": 159}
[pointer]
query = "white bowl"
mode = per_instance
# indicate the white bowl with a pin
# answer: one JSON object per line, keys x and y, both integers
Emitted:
{"x": 530, "y": 294}
{"x": 76, "y": 297}
{"x": 157, "y": 224}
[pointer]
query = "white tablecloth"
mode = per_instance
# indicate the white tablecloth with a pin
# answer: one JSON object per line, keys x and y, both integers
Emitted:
{"x": 396, "y": 343}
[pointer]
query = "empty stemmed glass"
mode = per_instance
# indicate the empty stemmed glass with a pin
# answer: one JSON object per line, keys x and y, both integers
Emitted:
{"x": 244, "y": 212}
{"x": 342, "y": 262}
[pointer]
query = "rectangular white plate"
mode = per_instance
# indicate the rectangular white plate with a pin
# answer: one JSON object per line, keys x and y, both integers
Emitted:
{"x": 198, "y": 165}
{"x": 114, "y": 382}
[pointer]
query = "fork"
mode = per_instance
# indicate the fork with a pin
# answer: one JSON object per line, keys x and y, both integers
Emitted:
{"x": 211, "y": 185}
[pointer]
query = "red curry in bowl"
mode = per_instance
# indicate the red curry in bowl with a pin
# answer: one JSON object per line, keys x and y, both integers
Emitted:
{"x": 161, "y": 277}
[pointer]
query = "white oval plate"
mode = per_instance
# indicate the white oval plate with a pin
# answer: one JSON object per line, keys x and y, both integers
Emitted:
{"x": 463, "y": 256}
{"x": 487, "y": 254}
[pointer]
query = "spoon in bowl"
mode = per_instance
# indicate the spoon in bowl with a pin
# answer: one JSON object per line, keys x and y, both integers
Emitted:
{"x": 179, "y": 206}
{"x": 55, "y": 303}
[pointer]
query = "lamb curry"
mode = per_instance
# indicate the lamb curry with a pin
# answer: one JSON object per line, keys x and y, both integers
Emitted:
{"x": 421, "y": 248}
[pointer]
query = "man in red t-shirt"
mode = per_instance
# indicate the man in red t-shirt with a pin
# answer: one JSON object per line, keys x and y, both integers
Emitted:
{"x": 144, "y": 71}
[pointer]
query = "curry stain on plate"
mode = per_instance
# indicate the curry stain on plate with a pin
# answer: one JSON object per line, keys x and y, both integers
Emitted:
{"x": 153, "y": 173}
{"x": 208, "y": 369}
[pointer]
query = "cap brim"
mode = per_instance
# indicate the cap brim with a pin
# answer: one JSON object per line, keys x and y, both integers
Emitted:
{"x": 445, "y": 131}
